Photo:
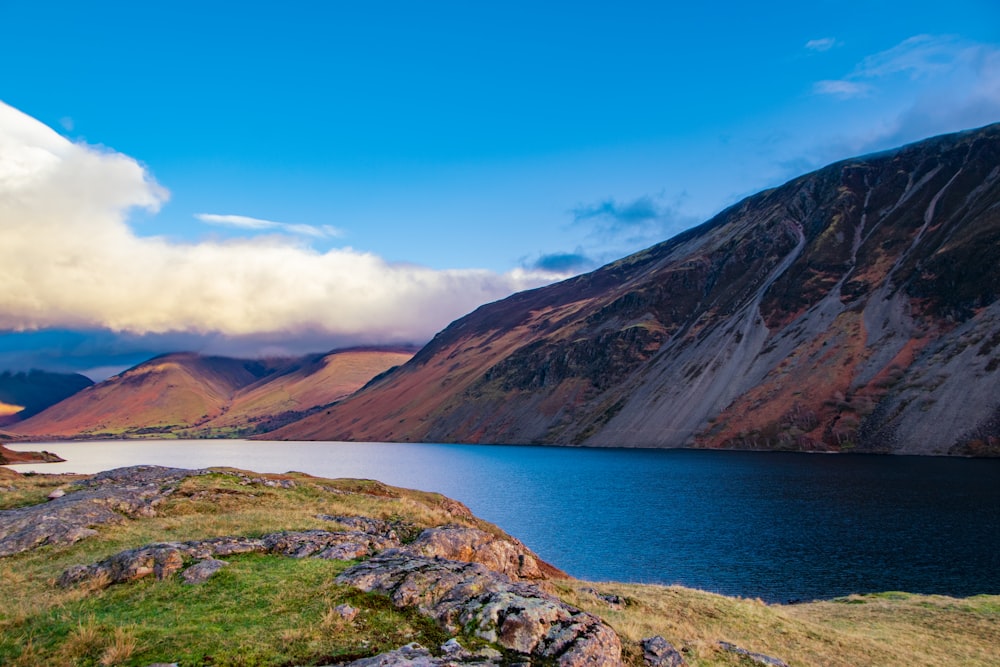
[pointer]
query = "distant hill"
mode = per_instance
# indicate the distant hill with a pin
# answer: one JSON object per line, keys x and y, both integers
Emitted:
{"x": 851, "y": 309}
{"x": 302, "y": 386}
{"x": 27, "y": 393}
{"x": 192, "y": 395}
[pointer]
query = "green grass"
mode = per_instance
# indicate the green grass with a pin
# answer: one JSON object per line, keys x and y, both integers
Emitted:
{"x": 274, "y": 611}
{"x": 261, "y": 610}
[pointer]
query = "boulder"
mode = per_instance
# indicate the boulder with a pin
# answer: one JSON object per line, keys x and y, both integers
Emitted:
{"x": 346, "y": 612}
{"x": 759, "y": 658}
{"x": 201, "y": 571}
{"x": 658, "y": 652}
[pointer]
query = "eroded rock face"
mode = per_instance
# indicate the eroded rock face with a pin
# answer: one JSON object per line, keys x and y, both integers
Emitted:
{"x": 472, "y": 545}
{"x": 471, "y": 598}
{"x": 393, "y": 530}
{"x": 105, "y": 498}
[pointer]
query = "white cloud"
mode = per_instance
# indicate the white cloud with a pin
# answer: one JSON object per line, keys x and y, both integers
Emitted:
{"x": 69, "y": 259}
{"x": 923, "y": 86}
{"x": 920, "y": 55}
{"x": 842, "y": 88}
{"x": 824, "y": 44}
{"x": 257, "y": 224}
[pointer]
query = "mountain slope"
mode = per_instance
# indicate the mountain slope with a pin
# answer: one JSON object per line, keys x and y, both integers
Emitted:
{"x": 853, "y": 308}
{"x": 164, "y": 393}
{"x": 191, "y": 395}
{"x": 25, "y": 394}
{"x": 311, "y": 382}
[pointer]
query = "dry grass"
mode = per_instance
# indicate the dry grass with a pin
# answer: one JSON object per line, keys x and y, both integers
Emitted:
{"x": 885, "y": 630}
{"x": 20, "y": 490}
{"x": 120, "y": 649}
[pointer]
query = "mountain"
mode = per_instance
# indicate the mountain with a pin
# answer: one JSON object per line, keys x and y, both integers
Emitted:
{"x": 851, "y": 309}
{"x": 25, "y": 394}
{"x": 191, "y": 395}
{"x": 302, "y": 386}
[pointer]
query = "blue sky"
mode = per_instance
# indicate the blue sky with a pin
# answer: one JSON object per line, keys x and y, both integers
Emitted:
{"x": 404, "y": 162}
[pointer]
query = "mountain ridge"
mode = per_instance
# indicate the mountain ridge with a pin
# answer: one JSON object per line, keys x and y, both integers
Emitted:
{"x": 805, "y": 317}
{"x": 190, "y": 395}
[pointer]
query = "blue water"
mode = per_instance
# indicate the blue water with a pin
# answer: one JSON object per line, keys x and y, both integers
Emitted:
{"x": 776, "y": 526}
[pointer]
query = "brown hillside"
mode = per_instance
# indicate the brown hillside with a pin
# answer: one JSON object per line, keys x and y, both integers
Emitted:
{"x": 171, "y": 391}
{"x": 191, "y": 395}
{"x": 315, "y": 381}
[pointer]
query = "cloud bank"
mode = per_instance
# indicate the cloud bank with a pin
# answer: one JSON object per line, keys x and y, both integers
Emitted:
{"x": 70, "y": 260}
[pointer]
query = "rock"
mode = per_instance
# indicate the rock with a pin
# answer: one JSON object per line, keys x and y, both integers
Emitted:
{"x": 470, "y": 597}
{"x": 759, "y": 658}
{"x": 106, "y": 498}
{"x": 160, "y": 560}
{"x": 328, "y": 545}
{"x": 346, "y": 611}
{"x": 614, "y": 601}
{"x": 200, "y": 572}
{"x": 393, "y": 530}
{"x": 452, "y": 647}
{"x": 415, "y": 655}
{"x": 56, "y": 493}
{"x": 456, "y": 508}
{"x": 166, "y": 558}
{"x": 658, "y": 652}
{"x": 472, "y": 545}
{"x": 227, "y": 546}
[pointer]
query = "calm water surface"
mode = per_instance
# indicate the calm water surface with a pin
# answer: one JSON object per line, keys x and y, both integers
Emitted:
{"x": 770, "y": 525}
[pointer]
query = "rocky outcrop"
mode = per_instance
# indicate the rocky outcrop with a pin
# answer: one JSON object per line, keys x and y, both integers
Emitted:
{"x": 471, "y": 598}
{"x": 397, "y": 531}
{"x": 162, "y": 560}
{"x": 471, "y": 545}
{"x": 106, "y": 498}
{"x": 415, "y": 655}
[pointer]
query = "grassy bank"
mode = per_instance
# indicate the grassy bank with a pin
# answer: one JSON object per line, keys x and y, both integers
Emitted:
{"x": 270, "y": 610}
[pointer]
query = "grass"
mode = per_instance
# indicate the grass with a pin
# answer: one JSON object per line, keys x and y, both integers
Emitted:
{"x": 884, "y": 629}
{"x": 261, "y": 610}
{"x": 273, "y": 611}
{"x": 30, "y": 489}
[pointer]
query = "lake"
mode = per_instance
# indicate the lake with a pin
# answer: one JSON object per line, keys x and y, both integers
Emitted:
{"x": 777, "y": 526}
